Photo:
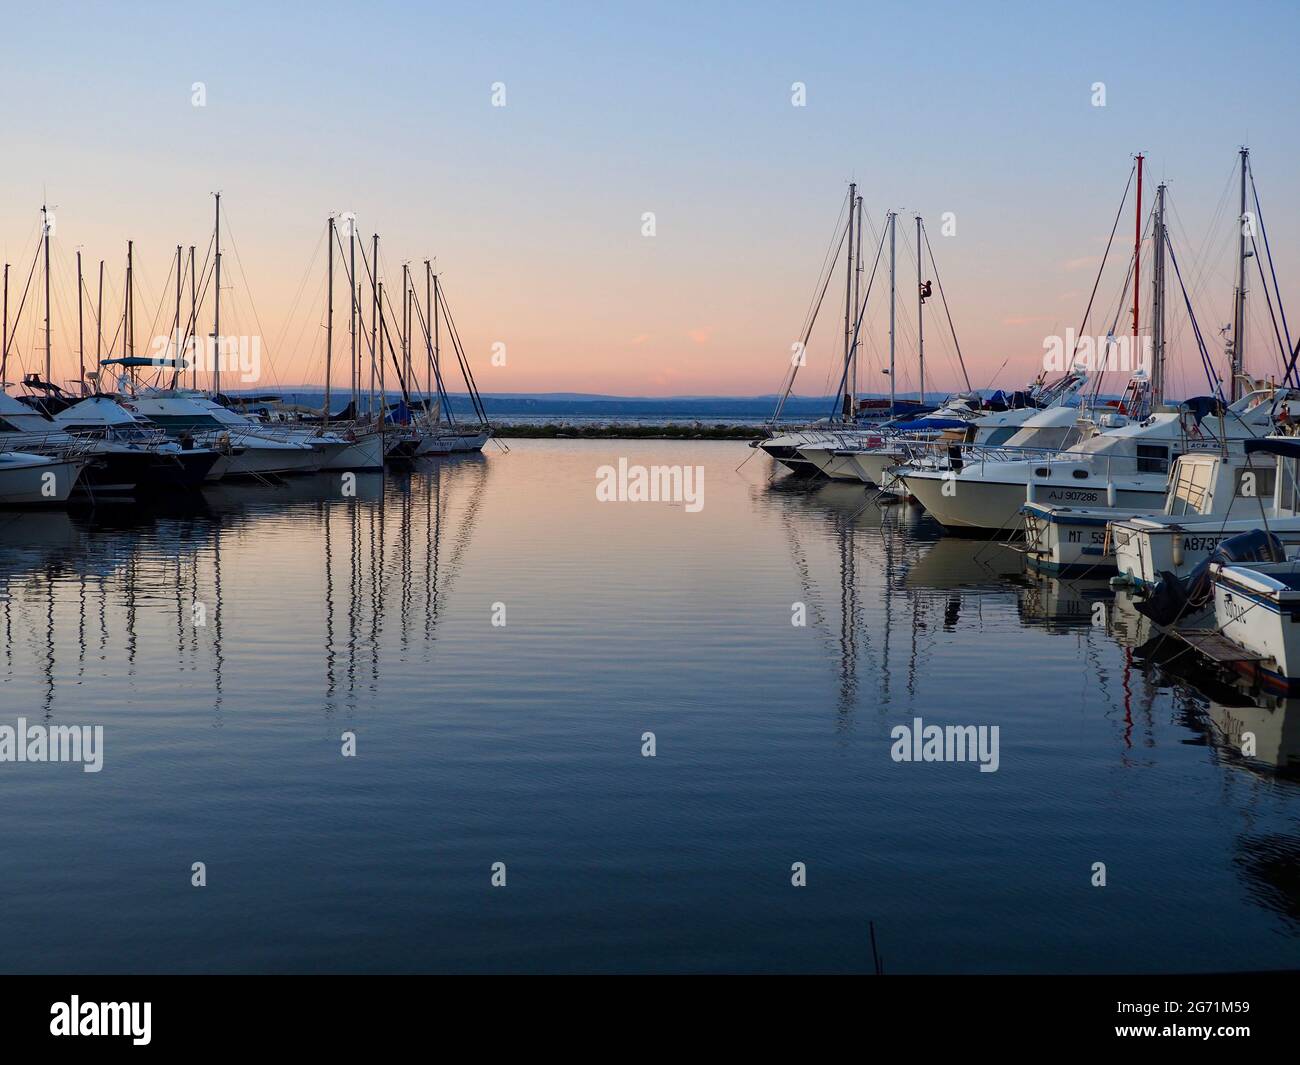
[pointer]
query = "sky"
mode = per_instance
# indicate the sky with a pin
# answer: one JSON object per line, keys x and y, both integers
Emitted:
{"x": 535, "y": 211}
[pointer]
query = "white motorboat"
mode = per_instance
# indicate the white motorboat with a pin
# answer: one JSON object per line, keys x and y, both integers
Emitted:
{"x": 1257, "y": 608}
{"x": 960, "y": 422}
{"x": 255, "y": 450}
{"x": 29, "y": 480}
{"x": 1120, "y": 462}
{"x": 1213, "y": 498}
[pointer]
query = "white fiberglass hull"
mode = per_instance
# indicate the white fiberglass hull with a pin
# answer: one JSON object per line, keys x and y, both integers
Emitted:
{"x": 871, "y": 465}
{"x": 367, "y": 453}
{"x": 254, "y": 457}
{"x": 832, "y": 462}
{"x": 35, "y": 480}
{"x": 785, "y": 450}
{"x": 1147, "y": 547}
{"x": 985, "y": 506}
{"x": 1071, "y": 541}
{"x": 466, "y": 442}
{"x": 1255, "y": 608}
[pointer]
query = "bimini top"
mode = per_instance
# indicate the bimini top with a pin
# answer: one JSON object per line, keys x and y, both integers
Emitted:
{"x": 1288, "y": 446}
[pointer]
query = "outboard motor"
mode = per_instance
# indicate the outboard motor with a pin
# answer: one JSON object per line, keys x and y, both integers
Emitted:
{"x": 1177, "y": 597}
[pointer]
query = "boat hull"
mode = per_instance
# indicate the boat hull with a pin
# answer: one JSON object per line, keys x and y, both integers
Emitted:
{"x": 1260, "y": 621}
{"x": 367, "y": 453}
{"x": 1145, "y": 549}
{"x": 1071, "y": 541}
{"x": 251, "y": 458}
{"x": 36, "y": 481}
{"x": 987, "y": 507}
{"x": 831, "y": 462}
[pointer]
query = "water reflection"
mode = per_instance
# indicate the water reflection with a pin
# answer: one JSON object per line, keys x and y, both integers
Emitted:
{"x": 91, "y": 588}
{"x": 323, "y": 611}
{"x": 925, "y": 587}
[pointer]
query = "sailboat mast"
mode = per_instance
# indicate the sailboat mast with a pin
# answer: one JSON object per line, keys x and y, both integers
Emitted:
{"x": 216, "y": 305}
{"x": 44, "y": 225}
{"x": 176, "y": 327}
{"x": 428, "y": 336}
{"x": 406, "y": 324}
{"x": 383, "y": 335}
{"x": 374, "y": 320}
{"x": 848, "y": 312}
{"x": 1239, "y": 310}
{"x": 81, "y": 334}
{"x": 1158, "y": 304}
{"x": 920, "y": 308}
{"x": 99, "y": 318}
{"x": 128, "y": 312}
{"x": 329, "y": 326}
{"x": 194, "y": 319}
{"x": 4, "y": 333}
{"x": 354, "y": 371}
{"x": 129, "y": 339}
{"x": 893, "y": 229}
{"x": 857, "y": 302}
{"x": 1137, "y": 248}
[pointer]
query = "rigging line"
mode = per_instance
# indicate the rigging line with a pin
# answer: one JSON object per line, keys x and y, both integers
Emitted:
{"x": 1121, "y": 300}
{"x": 426, "y": 332}
{"x": 397, "y": 366}
{"x": 1216, "y": 386}
{"x": 462, "y": 358}
{"x": 944, "y": 299}
{"x": 829, "y": 272}
{"x": 1263, "y": 230}
{"x": 249, "y": 293}
{"x": 302, "y": 285}
{"x": 810, "y": 317}
{"x": 206, "y": 275}
{"x": 4, "y": 356}
{"x": 153, "y": 326}
{"x": 857, "y": 325}
{"x": 1295, "y": 354}
{"x": 1105, "y": 255}
{"x": 828, "y": 265}
{"x": 1268, "y": 301}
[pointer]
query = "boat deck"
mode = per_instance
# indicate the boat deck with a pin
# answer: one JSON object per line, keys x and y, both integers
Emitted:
{"x": 1214, "y": 645}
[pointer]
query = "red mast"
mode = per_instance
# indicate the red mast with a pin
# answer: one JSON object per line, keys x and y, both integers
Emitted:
{"x": 1137, "y": 251}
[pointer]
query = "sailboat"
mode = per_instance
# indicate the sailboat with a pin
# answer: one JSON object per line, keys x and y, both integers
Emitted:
{"x": 253, "y": 449}
{"x": 787, "y": 446}
{"x": 364, "y": 448}
{"x": 441, "y": 433}
{"x": 118, "y": 460}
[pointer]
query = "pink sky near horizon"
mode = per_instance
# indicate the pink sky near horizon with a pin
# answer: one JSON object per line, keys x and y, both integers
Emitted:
{"x": 534, "y": 211}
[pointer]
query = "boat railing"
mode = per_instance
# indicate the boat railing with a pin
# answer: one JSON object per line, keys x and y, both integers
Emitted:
{"x": 54, "y": 443}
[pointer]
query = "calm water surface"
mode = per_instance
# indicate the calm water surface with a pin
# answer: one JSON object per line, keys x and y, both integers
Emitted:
{"x": 522, "y": 743}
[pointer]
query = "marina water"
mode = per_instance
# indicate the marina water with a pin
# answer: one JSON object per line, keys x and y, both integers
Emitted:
{"x": 499, "y": 643}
